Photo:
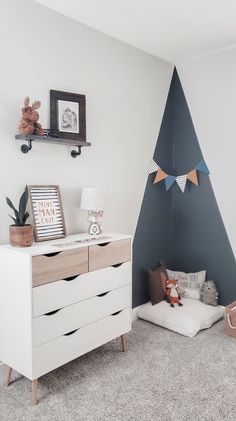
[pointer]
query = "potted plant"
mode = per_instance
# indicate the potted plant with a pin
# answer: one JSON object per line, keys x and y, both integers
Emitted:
{"x": 20, "y": 234}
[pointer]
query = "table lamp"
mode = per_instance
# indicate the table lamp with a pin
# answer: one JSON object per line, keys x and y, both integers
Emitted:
{"x": 93, "y": 200}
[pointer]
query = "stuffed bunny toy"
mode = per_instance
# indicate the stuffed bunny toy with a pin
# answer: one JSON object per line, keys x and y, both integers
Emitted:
{"x": 29, "y": 121}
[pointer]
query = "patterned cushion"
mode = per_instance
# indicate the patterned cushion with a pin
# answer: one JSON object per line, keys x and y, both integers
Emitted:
{"x": 190, "y": 284}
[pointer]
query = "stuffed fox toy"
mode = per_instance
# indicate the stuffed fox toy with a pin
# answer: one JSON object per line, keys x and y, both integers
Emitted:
{"x": 172, "y": 294}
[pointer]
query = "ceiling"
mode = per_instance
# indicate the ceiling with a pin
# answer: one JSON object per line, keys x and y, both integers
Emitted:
{"x": 174, "y": 30}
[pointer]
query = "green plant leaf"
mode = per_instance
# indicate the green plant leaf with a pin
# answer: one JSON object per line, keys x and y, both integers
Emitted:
{"x": 14, "y": 219}
{"x": 22, "y": 205}
{"x": 25, "y": 217}
{"x": 10, "y": 204}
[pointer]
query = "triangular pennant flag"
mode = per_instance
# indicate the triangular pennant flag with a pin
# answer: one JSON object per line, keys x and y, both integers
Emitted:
{"x": 152, "y": 167}
{"x": 202, "y": 166}
{"x": 192, "y": 176}
{"x": 181, "y": 181}
{"x": 169, "y": 181}
{"x": 161, "y": 175}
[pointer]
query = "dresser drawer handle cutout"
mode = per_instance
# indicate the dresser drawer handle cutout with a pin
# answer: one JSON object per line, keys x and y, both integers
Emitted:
{"x": 70, "y": 333}
{"x": 52, "y": 254}
{"x": 117, "y": 265}
{"x": 117, "y": 312}
{"x": 103, "y": 294}
{"x": 50, "y": 313}
{"x": 103, "y": 244}
{"x": 70, "y": 278}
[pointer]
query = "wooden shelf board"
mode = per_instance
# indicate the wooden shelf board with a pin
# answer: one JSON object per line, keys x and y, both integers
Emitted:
{"x": 53, "y": 140}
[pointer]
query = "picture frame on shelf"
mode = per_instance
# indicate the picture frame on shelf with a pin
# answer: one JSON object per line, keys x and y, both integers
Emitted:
{"x": 46, "y": 212}
{"x": 68, "y": 115}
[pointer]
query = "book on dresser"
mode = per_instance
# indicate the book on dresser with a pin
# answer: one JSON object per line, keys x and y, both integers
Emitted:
{"x": 60, "y": 299}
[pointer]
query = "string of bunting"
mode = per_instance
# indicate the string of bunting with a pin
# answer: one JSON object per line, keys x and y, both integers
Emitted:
{"x": 181, "y": 180}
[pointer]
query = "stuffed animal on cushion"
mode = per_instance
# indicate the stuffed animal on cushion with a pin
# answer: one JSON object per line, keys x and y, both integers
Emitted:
{"x": 172, "y": 294}
{"x": 29, "y": 121}
{"x": 209, "y": 293}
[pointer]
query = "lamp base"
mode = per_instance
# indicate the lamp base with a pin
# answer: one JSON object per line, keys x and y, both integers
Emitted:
{"x": 95, "y": 228}
{"x": 95, "y": 219}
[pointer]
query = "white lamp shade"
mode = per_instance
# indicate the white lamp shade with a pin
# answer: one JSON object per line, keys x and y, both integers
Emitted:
{"x": 93, "y": 198}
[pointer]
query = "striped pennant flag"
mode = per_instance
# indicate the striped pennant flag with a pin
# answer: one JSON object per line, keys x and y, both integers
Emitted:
{"x": 181, "y": 180}
{"x": 153, "y": 167}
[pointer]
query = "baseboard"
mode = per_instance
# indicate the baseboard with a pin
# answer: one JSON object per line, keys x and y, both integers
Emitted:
{"x": 1, "y": 372}
{"x": 135, "y": 314}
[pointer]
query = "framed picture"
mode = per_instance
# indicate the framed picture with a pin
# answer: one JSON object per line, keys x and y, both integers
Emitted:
{"x": 68, "y": 115}
{"x": 46, "y": 212}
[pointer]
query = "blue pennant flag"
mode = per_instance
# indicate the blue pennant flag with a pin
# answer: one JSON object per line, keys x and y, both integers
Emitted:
{"x": 202, "y": 166}
{"x": 169, "y": 181}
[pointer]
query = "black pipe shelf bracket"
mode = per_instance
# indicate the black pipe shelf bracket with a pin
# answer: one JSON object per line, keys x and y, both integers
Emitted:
{"x": 74, "y": 153}
{"x": 25, "y": 148}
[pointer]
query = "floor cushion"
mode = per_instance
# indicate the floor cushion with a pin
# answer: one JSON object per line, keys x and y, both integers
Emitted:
{"x": 186, "y": 320}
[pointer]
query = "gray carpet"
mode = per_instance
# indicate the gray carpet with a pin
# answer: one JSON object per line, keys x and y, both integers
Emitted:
{"x": 164, "y": 376}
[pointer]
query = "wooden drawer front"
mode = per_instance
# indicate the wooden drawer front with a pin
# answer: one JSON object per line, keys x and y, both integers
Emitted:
{"x": 62, "y": 293}
{"x": 55, "y": 353}
{"x": 107, "y": 254}
{"x": 51, "y": 267}
{"x": 55, "y": 324}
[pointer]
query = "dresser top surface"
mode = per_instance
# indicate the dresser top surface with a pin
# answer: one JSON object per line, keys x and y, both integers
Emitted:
{"x": 67, "y": 243}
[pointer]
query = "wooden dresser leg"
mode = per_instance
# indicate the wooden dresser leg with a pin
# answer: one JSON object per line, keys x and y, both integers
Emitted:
{"x": 35, "y": 391}
{"x": 124, "y": 347}
{"x": 8, "y": 371}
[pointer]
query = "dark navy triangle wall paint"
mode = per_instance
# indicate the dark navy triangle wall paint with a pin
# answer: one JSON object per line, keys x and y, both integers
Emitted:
{"x": 200, "y": 240}
{"x": 184, "y": 229}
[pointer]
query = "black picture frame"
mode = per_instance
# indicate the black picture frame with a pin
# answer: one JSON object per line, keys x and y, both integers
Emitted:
{"x": 56, "y": 99}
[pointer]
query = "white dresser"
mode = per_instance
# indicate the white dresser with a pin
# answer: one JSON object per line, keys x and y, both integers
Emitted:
{"x": 61, "y": 299}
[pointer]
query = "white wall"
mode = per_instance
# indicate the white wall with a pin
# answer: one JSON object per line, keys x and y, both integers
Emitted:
{"x": 126, "y": 92}
{"x": 209, "y": 84}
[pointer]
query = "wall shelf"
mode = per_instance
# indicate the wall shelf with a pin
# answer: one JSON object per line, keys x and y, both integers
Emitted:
{"x": 54, "y": 140}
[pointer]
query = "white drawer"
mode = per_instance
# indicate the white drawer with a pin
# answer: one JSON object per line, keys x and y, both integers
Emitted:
{"x": 53, "y": 296}
{"x": 55, "y": 353}
{"x": 55, "y": 324}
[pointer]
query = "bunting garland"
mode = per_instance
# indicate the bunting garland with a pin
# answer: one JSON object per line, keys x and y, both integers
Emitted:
{"x": 169, "y": 180}
{"x": 153, "y": 167}
{"x": 192, "y": 176}
{"x": 161, "y": 175}
{"x": 181, "y": 180}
